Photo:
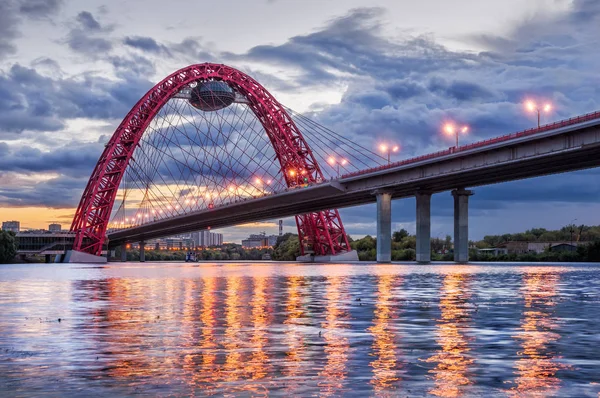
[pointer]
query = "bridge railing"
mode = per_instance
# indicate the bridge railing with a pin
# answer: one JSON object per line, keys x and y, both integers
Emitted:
{"x": 479, "y": 144}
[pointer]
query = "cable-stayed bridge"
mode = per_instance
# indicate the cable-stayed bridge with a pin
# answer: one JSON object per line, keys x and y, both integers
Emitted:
{"x": 209, "y": 147}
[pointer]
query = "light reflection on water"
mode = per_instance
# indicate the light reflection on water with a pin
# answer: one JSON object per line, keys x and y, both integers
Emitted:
{"x": 453, "y": 362}
{"x": 386, "y": 369}
{"x": 301, "y": 330}
{"x": 538, "y": 363}
{"x": 334, "y": 372}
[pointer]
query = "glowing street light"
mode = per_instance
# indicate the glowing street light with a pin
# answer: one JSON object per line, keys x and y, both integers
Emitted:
{"x": 451, "y": 129}
{"x": 531, "y": 106}
{"x": 385, "y": 148}
{"x": 333, "y": 161}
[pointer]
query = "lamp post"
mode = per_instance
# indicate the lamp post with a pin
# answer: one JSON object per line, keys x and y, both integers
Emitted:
{"x": 385, "y": 148}
{"x": 571, "y": 230}
{"x": 451, "y": 129}
{"x": 534, "y": 107}
{"x": 333, "y": 161}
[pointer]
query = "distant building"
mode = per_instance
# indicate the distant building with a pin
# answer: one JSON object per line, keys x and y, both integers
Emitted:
{"x": 13, "y": 226}
{"x": 564, "y": 247}
{"x": 206, "y": 238}
{"x": 54, "y": 227}
{"x": 260, "y": 240}
{"x": 540, "y": 247}
{"x": 171, "y": 243}
{"x": 494, "y": 251}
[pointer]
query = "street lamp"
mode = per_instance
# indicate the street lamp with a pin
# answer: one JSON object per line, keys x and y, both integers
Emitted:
{"x": 571, "y": 230}
{"x": 451, "y": 129}
{"x": 333, "y": 161}
{"x": 385, "y": 148}
{"x": 533, "y": 107}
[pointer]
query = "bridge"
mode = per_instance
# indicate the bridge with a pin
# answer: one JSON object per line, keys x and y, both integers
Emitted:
{"x": 297, "y": 184}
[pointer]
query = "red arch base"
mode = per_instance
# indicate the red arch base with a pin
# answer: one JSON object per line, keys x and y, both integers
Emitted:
{"x": 321, "y": 233}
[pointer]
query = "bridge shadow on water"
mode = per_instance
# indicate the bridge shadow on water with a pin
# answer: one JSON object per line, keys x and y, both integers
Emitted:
{"x": 302, "y": 330}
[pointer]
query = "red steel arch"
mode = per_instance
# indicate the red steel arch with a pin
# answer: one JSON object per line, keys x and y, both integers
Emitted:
{"x": 321, "y": 232}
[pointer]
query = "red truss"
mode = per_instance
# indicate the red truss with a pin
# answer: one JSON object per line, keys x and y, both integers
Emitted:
{"x": 321, "y": 233}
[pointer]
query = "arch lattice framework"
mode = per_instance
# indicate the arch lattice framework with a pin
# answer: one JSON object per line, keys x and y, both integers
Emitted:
{"x": 321, "y": 232}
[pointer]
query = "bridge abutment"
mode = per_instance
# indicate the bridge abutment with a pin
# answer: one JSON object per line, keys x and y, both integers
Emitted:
{"x": 74, "y": 256}
{"x": 384, "y": 227}
{"x": 423, "y": 227}
{"x": 142, "y": 251}
{"x": 461, "y": 224}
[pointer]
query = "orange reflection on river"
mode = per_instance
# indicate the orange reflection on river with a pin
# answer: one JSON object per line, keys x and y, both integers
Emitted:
{"x": 258, "y": 365}
{"x": 200, "y": 364}
{"x": 536, "y": 368}
{"x": 451, "y": 374}
{"x": 334, "y": 372}
{"x": 294, "y": 340}
{"x": 127, "y": 320}
{"x": 234, "y": 367}
{"x": 385, "y": 368}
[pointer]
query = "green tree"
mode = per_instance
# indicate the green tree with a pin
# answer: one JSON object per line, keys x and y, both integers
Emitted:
{"x": 365, "y": 244}
{"x": 398, "y": 236}
{"x": 448, "y": 242}
{"x": 8, "y": 246}
{"x": 593, "y": 251}
{"x": 287, "y": 248}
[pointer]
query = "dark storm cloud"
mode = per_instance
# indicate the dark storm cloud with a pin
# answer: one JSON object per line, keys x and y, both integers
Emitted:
{"x": 69, "y": 188}
{"x": 585, "y": 11}
{"x": 39, "y": 8}
{"x": 30, "y": 101}
{"x": 460, "y": 90}
{"x": 87, "y": 21}
{"x": 88, "y": 36}
{"x": 73, "y": 163}
{"x": 8, "y": 28}
{"x": 147, "y": 44}
{"x": 74, "y": 160}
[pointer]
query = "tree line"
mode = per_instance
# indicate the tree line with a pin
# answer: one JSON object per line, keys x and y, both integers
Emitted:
{"x": 571, "y": 232}
{"x": 404, "y": 244}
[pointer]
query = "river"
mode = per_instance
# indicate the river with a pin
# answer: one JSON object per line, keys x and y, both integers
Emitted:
{"x": 284, "y": 329}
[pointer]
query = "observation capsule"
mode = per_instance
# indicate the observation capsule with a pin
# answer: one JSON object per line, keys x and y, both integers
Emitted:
{"x": 212, "y": 95}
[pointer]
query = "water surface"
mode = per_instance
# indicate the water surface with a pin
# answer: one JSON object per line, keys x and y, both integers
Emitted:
{"x": 279, "y": 329}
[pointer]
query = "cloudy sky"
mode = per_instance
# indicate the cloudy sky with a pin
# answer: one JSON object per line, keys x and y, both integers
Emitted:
{"x": 70, "y": 71}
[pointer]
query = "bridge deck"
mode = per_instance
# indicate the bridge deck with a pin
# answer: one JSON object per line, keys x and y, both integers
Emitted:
{"x": 567, "y": 145}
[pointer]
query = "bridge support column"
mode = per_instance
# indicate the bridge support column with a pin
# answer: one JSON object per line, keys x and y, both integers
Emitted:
{"x": 124, "y": 253}
{"x": 461, "y": 224}
{"x": 423, "y": 227}
{"x": 384, "y": 227}
{"x": 142, "y": 251}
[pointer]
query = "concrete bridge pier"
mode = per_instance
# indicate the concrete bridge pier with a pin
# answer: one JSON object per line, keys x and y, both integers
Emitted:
{"x": 142, "y": 251}
{"x": 384, "y": 227}
{"x": 461, "y": 224}
{"x": 423, "y": 227}
{"x": 124, "y": 253}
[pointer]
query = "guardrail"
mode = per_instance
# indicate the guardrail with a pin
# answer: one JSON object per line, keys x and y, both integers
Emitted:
{"x": 479, "y": 144}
